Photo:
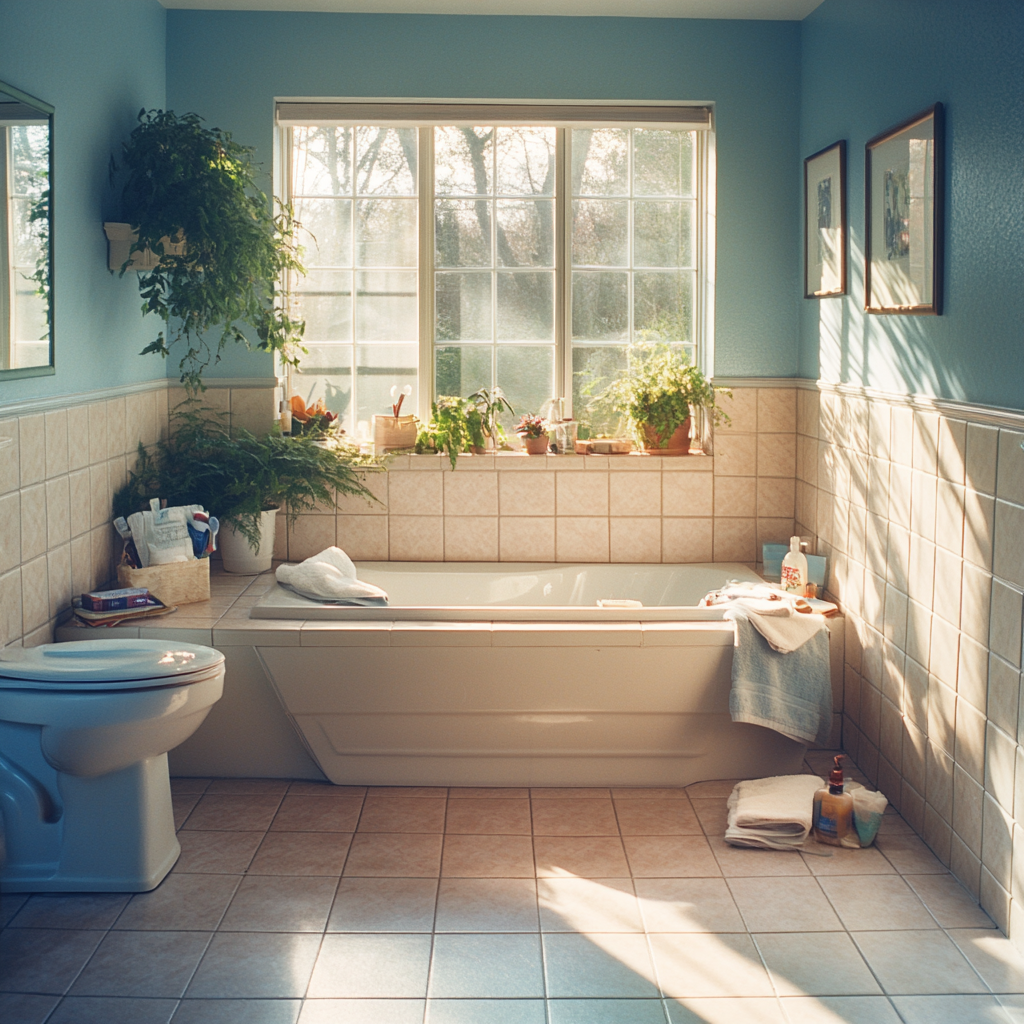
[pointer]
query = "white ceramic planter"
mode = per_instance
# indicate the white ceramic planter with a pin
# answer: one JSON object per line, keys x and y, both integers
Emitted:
{"x": 238, "y": 556}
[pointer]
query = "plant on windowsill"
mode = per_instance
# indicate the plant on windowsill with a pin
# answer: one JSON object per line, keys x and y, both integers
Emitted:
{"x": 658, "y": 395}
{"x": 488, "y": 433}
{"x": 534, "y": 432}
{"x": 226, "y": 255}
{"x": 243, "y": 479}
{"x": 449, "y": 429}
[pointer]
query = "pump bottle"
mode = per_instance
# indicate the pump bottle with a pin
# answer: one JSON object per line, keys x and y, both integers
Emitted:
{"x": 833, "y": 810}
{"x": 794, "y": 568}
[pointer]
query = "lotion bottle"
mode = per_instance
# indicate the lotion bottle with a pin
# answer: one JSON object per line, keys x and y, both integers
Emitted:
{"x": 833, "y": 810}
{"x": 794, "y": 568}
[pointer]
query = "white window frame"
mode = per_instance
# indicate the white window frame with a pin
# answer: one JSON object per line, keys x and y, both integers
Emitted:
{"x": 378, "y": 111}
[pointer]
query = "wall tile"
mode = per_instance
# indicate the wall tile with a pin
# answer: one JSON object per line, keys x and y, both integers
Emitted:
{"x": 967, "y": 810}
{"x": 581, "y": 494}
{"x": 895, "y": 616}
{"x": 10, "y": 607}
{"x": 914, "y": 749}
{"x": 952, "y": 450}
{"x": 80, "y": 500}
{"x": 687, "y": 540}
{"x": 807, "y": 459}
{"x": 972, "y": 673}
{"x": 635, "y": 494}
{"x": 10, "y": 531}
{"x": 941, "y": 714}
{"x": 414, "y": 538}
{"x": 689, "y": 494}
{"x": 922, "y": 504}
{"x": 1006, "y": 619}
{"x": 776, "y": 455}
{"x": 979, "y": 527}
{"x": 81, "y": 565}
{"x": 356, "y": 505}
{"x": 775, "y": 497}
{"x": 33, "y": 522}
{"x": 808, "y": 411}
{"x": 982, "y": 448}
{"x": 364, "y": 537}
{"x": 949, "y": 573}
{"x": 414, "y": 494}
{"x": 635, "y": 539}
{"x": 97, "y": 432}
{"x": 35, "y": 594}
{"x": 771, "y": 530}
{"x": 58, "y": 511}
{"x": 915, "y": 693}
{"x": 879, "y": 429}
{"x": 1008, "y": 561}
{"x": 921, "y": 572}
{"x": 472, "y": 494}
{"x": 471, "y": 538}
{"x": 1000, "y": 755}
{"x": 102, "y": 555}
{"x": 926, "y": 442}
{"x": 970, "y": 740}
{"x": 523, "y": 539}
{"x": 56, "y": 430}
{"x": 78, "y": 437}
{"x": 742, "y": 411}
{"x": 32, "y": 440}
{"x": 133, "y": 419}
{"x": 735, "y": 496}
{"x": 10, "y": 463}
{"x": 255, "y": 409}
{"x": 975, "y": 602}
{"x": 736, "y": 455}
{"x": 776, "y": 410}
{"x": 525, "y": 494}
{"x": 937, "y": 834}
{"x": 310, "y": 534}
{"x": 994, "y": 899}
{"x": 949, "y": 516}
{"x": 965, "y": 865}
{"x": 581, "y": 539}
{"x": 939, "y": 784}
{"x": 58, "y": 566}
{"x": 1003, "y": 694}
{"x": 735, "y": 540}
{"x": 902, "y": 439}
{"x": 116, "y": 443}
{"x": 1010, "y": 485}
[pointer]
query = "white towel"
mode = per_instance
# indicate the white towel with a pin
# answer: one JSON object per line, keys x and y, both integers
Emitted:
{"x": 784, "y": 620}
{"x": 773, "y": 814}
{"x": 330, "y": 576}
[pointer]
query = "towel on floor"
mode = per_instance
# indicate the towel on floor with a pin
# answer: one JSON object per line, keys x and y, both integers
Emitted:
{"x": 773, "y": 814}
{"x": 790, "y": 693}
{"x": 783, "y": 619}
{"x": 330, "y": 577}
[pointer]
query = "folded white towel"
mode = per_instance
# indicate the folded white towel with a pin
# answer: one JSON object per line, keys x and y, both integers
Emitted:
{"x": 782, "y": 619}
{"x": 773, "y": 813}
{"x": 330, "y": 576}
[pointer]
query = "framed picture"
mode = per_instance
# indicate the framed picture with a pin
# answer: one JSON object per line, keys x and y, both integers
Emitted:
{"x": 825, "y": 222}
{"x": 903, "y": 217}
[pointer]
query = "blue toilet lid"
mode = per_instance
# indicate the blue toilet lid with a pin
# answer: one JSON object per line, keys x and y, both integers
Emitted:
{"x": 85, "y": 662}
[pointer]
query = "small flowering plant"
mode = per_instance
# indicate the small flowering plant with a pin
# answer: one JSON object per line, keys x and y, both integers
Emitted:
{"x": 531, "y": 426}
{"x": 312, "y": 420}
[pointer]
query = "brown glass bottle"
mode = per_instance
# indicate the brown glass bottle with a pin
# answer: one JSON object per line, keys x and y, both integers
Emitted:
{"x": 833, "y": 809}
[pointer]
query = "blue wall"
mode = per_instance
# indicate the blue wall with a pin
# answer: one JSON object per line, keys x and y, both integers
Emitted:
{"x": 229, "y": 66}
{"x": 869, "y": 64}
{"x": 97, "y": 63}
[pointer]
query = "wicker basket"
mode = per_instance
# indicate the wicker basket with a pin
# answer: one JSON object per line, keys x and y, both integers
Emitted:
{"x": 175, "y": 583}
{"x": 390, "y": 432}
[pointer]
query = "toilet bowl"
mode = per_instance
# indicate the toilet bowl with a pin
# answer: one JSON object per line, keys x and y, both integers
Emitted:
{"x": 85, "y": 727}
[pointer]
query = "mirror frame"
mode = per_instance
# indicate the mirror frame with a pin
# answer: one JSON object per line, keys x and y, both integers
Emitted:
{"x": 46, "y": 110}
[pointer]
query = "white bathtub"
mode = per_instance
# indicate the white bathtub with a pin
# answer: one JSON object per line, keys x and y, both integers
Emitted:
{"x": 460, "y": 681}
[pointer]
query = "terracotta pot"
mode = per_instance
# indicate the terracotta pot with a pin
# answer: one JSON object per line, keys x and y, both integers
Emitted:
{"x": 536, "y": 445}
{"x": 678, "y": 442}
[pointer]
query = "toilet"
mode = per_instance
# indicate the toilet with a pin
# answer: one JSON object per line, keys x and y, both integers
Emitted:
{"x": 85, "y": 797}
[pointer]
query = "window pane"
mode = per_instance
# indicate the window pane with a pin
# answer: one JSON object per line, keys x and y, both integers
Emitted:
{"x": 386, "y": 306}
{"x": 463, "y": 161}
{"x": 600, "y": 161}
{"x": 462, "y": 232}
{"x": 663, "y": 306}
{"x": 463, "y": 307}
{"x": 327, "y": 231}
{"x": 378, "y": 368}
{"x": 386, "y": 233}
{"x": 600, "y": 306}
{"x": 386, "y": 161}
{"x": 323, "y": 298}
{"x": 526, "y": 161}
{"x": 663, "y": 234}
{"x": 526, "y": 307}
{"x": 321, "y": 161}
{"x": 327, "y": 373}
{"x": 600, "y": 232}
{"x": 526, "y": 373}
{"x": 462, "y": 369}
{"x": 662, "y": 162}
{"x": 594, "y": 367}
{"x": 526, "y": 233}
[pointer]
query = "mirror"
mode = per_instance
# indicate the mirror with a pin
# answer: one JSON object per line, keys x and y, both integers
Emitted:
{"x": 26, "y": 235}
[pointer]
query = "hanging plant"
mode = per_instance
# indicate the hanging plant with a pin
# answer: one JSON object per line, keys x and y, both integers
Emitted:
{"x": 194, "y": 185}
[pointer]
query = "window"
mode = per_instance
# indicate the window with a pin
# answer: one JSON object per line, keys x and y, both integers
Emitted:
{"x": 465, "y": 254}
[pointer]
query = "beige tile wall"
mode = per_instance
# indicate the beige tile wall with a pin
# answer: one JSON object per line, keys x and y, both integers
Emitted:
{"x": 922, "y": 515}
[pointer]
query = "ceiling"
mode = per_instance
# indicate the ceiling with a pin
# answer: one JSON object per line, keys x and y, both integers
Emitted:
{"x": 773, "y": 10}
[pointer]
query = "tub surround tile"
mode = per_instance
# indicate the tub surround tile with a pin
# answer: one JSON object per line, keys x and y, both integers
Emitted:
{"x": 582, "y": 539}
{"x": 416, "y": 538}
{"x": 471, "y": 538}
{"x": 635, "y": 540}
{"x": 526, "y": 539}
{"x": 687, "y": 540}
{"x": 526, "y": 494}
{"x": 582, "y": 494}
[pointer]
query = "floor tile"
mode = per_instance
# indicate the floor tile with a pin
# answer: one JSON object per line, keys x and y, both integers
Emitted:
{"x": 425, "y": 791}
{"x": 216, "y": 853}
{"x": 487, "y": 905}
{"x": 301, "y": 853}
{"x": 182, "y": 805}
{"x": 488, "y": 793}
{"x": 371, "y": 967}
{"x": 993, "y": 956}
{"x": 402, "y": 814}
{"x": 718, "y": 789}
{"x": 573, "y": 817}
{"x": 670, "y": 857}
{"x": 181, "y": 903}
{"x": 248, "y": 787}
{"x": 488, "y": 816}
{"x": 606, "y": 1011}
{"x": 712, "y": 814}
{"x": 22, "y": 1008}
{"x": 588, "y": 905}
{"x": 241, "y": 965}
{"x": 1013, "y": 1007}
{"x": 362, "y": 1011}
{"x": 875, "y": 902}
{"x": 92, "y": 1010}
{"x": 688, "y": 905}
{"x": 694, "y": 966}
{"x": 949, "y": 902}
{"x": 384, "y": 905}
{"x": 909, "y": 855}
{"x": 71, "y": 910}
{"x": 656, "y": 817}
{"x": 583, "y": 856}
{"x": 315, "y": 814}
{"x": 280, "y": 903}
{"x": 10, "y": 904}
{"x": 488, "y": 856}
{"x": 570, "y": 793}
{"x": 726, "y": 1011}
{"x": 816, "y": 964}
{"x": 650, "y": 793}
{"x": 324, "y": 789}
{"x": 485, "y": 1011}
{"x": 598, "y": 966}
{"x": 234, "y": 813}
{"x": 792, "y": 904}
{"x": 158, "y": 964}
{"x": 44, "y": 960}
{"x": 840, "y": 1010}
{"x": 738, "y": 862}
{"x": 480, "y": 966}
{"x": 389, "y": 855}
{"x": 186, "y": 785}
{"x": 839, "y": 860}
{"x": 950, "y": 1010}
{"x": 237, "y": 1011}
{"x": 918, "y": 963}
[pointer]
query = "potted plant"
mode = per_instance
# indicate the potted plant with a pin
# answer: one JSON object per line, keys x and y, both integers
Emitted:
{"x": 396, "y": 430}
{"x": 314, "y": 421}
{"x": 448, "y": 430}
{"x": 243, "y": 479}
{"x": 658, "y": 394}
{"x": 534, "y": 432}
{"x": 192, "y": 199}
{"x": 487, "y": 404}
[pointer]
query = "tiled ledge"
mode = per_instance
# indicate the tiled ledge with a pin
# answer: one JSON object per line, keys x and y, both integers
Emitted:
{"x": 695, "y": 462}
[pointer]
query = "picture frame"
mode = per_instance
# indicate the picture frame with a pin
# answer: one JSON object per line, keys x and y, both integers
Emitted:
{"x": 903, "y": 217}
{"x": 825, "y": 222}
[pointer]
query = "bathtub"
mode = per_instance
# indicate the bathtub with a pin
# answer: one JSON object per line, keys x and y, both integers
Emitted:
{"x": 514, "y": 675}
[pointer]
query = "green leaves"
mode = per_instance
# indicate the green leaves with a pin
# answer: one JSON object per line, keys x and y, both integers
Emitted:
{"x": 449, "y": 430}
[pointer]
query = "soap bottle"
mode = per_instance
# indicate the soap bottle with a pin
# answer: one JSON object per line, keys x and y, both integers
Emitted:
{"x": 794, "y": 568}
{"x": 833, "y": 810}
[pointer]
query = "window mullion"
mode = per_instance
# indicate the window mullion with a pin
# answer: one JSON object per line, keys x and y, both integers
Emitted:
{"x": 426, "y": 284}
{"x": 563, "y": 272}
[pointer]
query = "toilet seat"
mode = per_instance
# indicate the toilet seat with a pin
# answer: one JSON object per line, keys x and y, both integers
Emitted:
{"x": 107, "y": 665}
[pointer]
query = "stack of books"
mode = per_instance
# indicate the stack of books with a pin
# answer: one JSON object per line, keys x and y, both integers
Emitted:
{"x": 115, "y": 607}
